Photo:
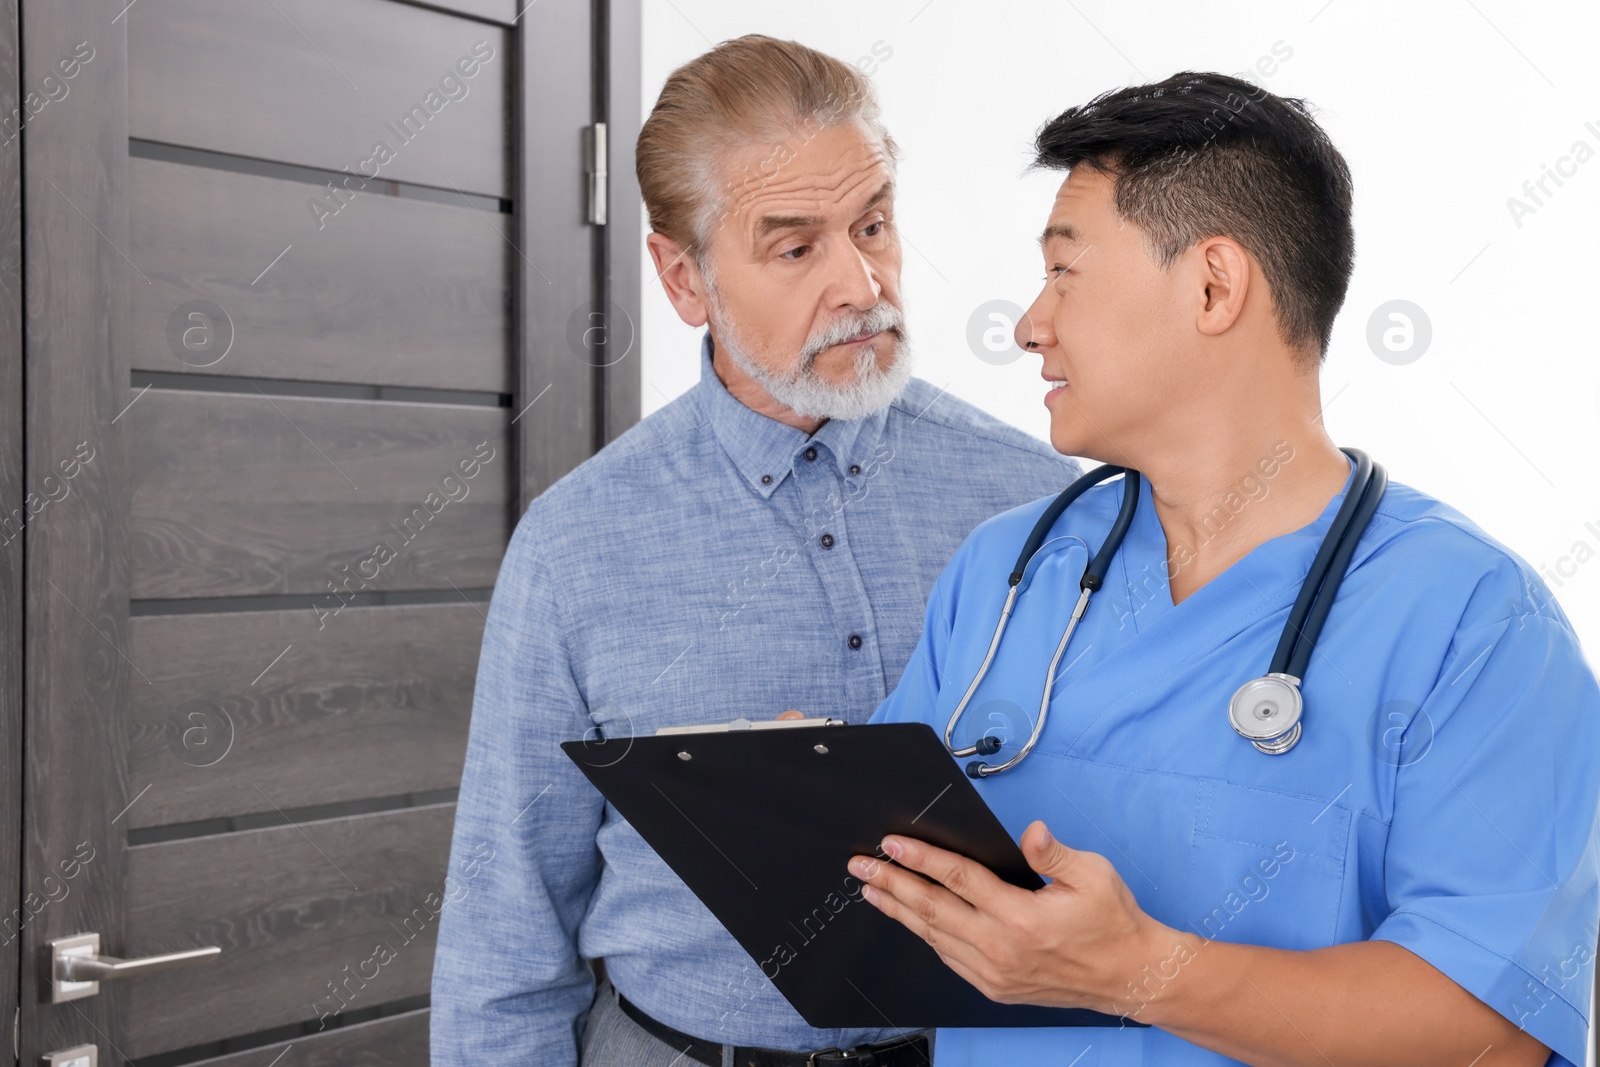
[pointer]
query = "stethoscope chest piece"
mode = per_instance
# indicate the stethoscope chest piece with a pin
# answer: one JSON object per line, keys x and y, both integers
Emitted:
{"x": 1266, "y": 710}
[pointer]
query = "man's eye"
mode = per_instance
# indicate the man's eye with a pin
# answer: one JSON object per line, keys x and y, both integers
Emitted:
{"x": 797, "y": 252}
{"x": 874, "y": 229}
{"x": 1056, "y": 272}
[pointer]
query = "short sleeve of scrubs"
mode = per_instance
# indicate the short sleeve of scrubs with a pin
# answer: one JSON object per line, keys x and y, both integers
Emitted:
{"x": 1491, "y": 869}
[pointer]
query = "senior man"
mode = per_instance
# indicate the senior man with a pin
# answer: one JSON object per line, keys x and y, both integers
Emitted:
{"x": 768, "y": 538}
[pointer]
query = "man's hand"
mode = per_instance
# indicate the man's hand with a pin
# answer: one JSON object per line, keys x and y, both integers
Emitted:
{"x": 792, "y": 714}
{"x": 1075, "y": 943}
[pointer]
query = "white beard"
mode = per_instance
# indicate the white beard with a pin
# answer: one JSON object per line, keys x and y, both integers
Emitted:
{"x": 807, "y": 393}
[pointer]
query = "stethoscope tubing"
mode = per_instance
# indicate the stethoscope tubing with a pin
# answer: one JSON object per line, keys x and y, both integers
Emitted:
{"x": 1285, "y": 657}
{"x": 1289, "y": 660}
{"x": 1093, "y": 578}
{"x": 1372, "y": 492}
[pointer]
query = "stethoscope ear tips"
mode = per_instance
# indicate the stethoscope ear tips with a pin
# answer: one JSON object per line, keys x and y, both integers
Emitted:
{"x": 987, "y": 745}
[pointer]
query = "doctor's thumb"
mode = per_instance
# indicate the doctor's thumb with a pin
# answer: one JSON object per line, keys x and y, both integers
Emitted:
{"x": 1044, "y": 853}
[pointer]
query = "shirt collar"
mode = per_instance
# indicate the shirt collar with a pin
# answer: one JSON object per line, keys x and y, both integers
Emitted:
{"x": 764, "y": 448}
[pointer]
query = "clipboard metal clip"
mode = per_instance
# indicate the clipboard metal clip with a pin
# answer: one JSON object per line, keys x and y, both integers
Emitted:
{"x": 746, "y": 724}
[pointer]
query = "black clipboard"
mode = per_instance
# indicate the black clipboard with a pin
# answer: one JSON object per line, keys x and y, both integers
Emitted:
{"x": 759, "y": 824}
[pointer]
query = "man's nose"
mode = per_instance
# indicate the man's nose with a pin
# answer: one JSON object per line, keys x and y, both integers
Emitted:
{"x": 1035, "y": 329}
{"x": 855, "y": 280}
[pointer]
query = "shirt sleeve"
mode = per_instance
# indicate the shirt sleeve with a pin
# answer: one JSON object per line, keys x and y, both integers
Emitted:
{"x": 508, "y": 983}
{"x": 1491, "y": 870}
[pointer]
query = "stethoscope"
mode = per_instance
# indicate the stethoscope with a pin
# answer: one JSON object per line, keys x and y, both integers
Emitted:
{"x": 1266, "y": 710}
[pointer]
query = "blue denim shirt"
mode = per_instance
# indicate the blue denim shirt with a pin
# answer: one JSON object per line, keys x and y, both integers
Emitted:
{"x": 710, "y": 563}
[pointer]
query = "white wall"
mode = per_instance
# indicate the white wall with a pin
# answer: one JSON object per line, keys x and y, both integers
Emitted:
{"x": 1443, "y": 110}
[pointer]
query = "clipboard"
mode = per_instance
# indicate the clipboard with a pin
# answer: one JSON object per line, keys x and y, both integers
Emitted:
{"x": 760, "y": 821}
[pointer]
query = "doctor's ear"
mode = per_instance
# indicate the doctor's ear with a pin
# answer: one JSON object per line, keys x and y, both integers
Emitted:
{"x": 680, "y": 278}
{"x": 1224, "y": 272}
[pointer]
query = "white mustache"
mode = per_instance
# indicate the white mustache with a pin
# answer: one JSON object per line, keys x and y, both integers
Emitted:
{"x": 879, "y": 317}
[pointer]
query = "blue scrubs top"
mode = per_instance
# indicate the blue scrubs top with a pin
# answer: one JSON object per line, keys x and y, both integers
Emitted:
{"x": 1443, "y": 795}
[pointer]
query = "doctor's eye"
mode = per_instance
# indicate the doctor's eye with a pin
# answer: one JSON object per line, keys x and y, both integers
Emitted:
{"x": 1057, "y": 271}
{"x": 796, "y": 253}
{"x": 875, "y": 229}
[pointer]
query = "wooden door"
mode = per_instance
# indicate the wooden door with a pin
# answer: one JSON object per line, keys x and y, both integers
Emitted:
{"x": 294, "y": 298}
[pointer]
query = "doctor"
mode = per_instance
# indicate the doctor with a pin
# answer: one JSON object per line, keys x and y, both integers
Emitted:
{"x": 1415, "y": 880}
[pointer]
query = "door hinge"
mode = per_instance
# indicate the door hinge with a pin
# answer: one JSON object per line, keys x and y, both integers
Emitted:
{"x": 594, "y": 163}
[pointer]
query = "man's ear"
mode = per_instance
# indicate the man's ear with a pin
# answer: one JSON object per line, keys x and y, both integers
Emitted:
{"x": 680, "y": 278}
{"x": 1224, "y": 275}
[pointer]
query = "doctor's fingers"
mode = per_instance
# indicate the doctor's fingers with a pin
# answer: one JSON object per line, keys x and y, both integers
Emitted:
{"x": 997, "y": 954}
{"x": 972, "y": 882}
{"x": 927, "y": 900}
{"x": 951, "y": 926}
{"x": 993, "y": 956}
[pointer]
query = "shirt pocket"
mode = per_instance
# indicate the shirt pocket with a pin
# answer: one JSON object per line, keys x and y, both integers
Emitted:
{"x": 1265, "y": 867}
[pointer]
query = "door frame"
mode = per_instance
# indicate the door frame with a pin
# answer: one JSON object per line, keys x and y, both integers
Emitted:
{"x": 11, "y": 553}
{"x": 551, "y": 114}
{"x": 74, "y": 163}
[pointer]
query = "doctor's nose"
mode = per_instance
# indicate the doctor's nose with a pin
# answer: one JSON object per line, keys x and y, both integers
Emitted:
{"x": 1035, "y": 330}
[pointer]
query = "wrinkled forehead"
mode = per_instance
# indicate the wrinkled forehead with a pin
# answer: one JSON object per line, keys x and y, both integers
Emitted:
{"x": 828, "y": 176}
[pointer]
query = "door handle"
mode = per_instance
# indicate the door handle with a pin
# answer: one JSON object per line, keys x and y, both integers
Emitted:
{"x": 77, "y": 968}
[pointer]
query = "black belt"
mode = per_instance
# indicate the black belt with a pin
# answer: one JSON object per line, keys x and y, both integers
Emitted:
{"x": 908, "y": 1051}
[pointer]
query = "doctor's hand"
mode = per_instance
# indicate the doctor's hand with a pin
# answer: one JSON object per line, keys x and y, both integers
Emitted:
{"x": 1069, "y": 944}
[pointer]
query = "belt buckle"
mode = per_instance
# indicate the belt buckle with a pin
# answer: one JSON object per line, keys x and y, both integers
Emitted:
{"x": 862, "y": 1055}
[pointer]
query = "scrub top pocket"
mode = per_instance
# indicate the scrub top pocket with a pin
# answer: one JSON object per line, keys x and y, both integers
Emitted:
{"x": 1265, "y": 867}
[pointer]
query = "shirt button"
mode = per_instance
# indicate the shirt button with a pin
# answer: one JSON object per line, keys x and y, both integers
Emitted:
{"x": 766, "y": 479}
{"x": 826, "y": 540}
{"x": 855, "y": 640}
{"x": 855, "y": 468}
{"x": 811, "y": 454}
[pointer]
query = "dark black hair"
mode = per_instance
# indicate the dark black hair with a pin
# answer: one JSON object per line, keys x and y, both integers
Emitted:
{"x": 1206, "y": 155}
